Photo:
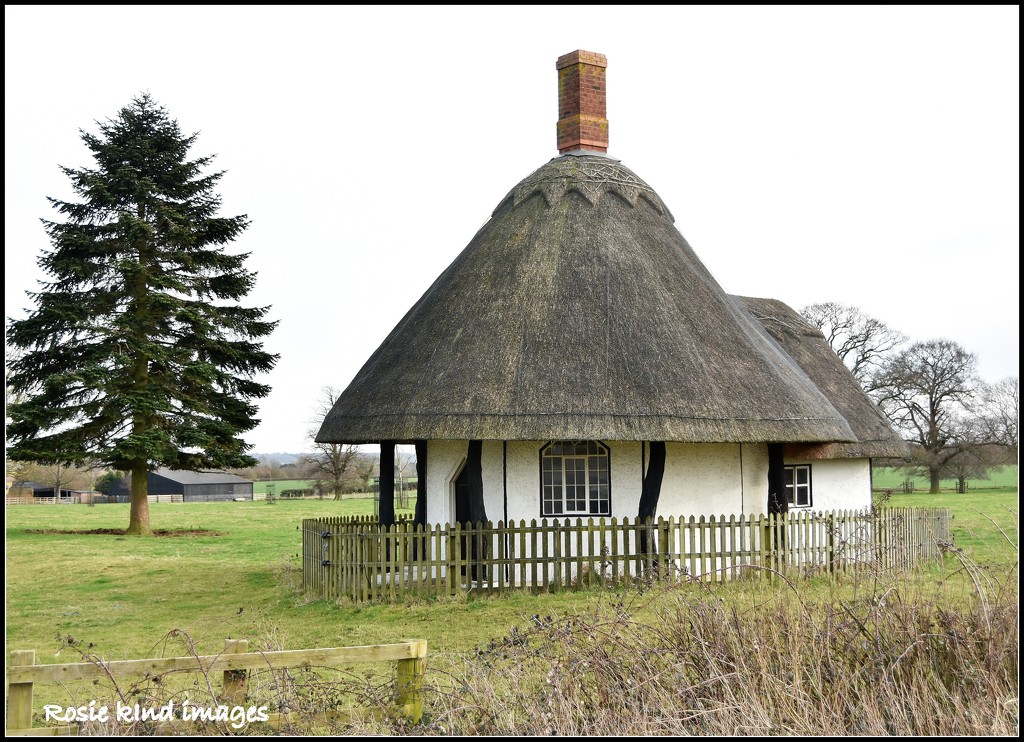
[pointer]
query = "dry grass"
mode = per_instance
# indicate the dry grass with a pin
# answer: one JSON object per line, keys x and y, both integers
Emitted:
{"x": 885, "y": 662}
{"x": 885, "y": 665}
{"x": 882, "y": 659}
{"x": 930, "y": 652}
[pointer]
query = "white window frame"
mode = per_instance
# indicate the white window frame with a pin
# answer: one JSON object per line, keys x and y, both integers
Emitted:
{"x": 798, "y": 493}
{"x": 587, "y": 470}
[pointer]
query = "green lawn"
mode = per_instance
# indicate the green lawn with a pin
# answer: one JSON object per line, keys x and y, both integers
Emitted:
{"x": 125, "y": 594}
{"x": 122, "y": 597}
{"x": 985, "y": 523}
{"x": 884, "y": 477}
{"x": 280, "y": 485}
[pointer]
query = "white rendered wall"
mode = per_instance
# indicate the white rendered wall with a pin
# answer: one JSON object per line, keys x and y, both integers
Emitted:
{"x": 520, "y": 478}
{"x": 700, "y": 479}
{"x": 703, "y": 479}
{"x": 523, "y": 473}
{"x": 445, "y": 460}
{"x": 494, "y": 495}
{"x": 839, "y": 484}
{"x": 755, "y": 477}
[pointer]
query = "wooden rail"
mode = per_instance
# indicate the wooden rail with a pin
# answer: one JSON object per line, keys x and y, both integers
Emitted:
{"x": 233, "y": 662}
{"x": 362, "y": 560}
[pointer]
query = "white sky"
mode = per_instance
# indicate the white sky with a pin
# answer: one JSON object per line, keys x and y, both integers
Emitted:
{"x": 868, "y": 156}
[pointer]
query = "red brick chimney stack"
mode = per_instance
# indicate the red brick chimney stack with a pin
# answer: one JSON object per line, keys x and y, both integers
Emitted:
{"x": 582, "y": 102}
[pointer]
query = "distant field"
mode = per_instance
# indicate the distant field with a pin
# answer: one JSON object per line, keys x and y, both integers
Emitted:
{"x": 888, "y": 478}
{"x": 282, "y": 484}
{"x": 299, "y": 484}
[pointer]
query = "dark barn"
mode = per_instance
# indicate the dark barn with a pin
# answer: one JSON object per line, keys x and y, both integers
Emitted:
{"x": 194, "y": 486}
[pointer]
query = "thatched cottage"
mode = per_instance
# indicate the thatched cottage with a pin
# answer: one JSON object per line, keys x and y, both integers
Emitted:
{"x": 578, "y": 359}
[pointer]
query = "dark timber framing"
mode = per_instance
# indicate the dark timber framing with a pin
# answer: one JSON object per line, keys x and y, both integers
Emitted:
{"x": 386, "y": 490}
{"x": 777, "y": 501}
{"x": 420, "y": 517}
{"x": 650, "y": 492}
{"x": 474, "y": 473}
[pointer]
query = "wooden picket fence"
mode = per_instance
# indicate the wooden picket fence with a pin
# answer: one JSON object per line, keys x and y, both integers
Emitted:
{"x": 234, "y": 662}
{"x": 359, "y": 559}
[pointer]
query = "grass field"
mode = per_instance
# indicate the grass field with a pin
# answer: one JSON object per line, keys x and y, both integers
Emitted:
{"x": 122, "y": 597}
{"x": 883, "y": 477}
{"x": 123, "y": 594}
{"x": 280, "y": 485}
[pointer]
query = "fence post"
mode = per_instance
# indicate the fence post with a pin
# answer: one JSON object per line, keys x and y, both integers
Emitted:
{"x": 830, "y": 525}
{"x": 663, "y": 546}
{"x": 234, "y": 680}
{"x": 409, "y": 682}
{"x": 19, "y": 695}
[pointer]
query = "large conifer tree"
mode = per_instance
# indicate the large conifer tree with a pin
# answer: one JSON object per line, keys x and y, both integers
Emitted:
{"x": 137, "y": 354}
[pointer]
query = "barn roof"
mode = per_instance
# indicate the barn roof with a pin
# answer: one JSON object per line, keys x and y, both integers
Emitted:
{"x": 200, "y": 477}
{"x": 808, "y": 347}
{"x": 580, "y": 311}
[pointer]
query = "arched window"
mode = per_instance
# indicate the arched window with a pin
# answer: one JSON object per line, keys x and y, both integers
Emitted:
{"x": 574, "y": 478}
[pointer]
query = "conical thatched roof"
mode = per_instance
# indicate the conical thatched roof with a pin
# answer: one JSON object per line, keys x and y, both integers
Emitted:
{"x": 808, "y": 347}
{"x": 579, "y": 311}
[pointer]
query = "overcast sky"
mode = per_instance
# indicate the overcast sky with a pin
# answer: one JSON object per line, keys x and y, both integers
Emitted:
{"x": 868, "y": 156}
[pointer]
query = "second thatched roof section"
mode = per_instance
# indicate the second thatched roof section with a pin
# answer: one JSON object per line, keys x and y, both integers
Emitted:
{"x": 580, "y": 312}
{"x": 808, "y": 347}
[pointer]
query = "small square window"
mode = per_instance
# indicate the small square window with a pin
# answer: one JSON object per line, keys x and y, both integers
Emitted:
{"x": 798, "y": 486}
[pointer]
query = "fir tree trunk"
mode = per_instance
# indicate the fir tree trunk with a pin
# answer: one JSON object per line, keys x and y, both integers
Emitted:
{"x": 138, "y": 519}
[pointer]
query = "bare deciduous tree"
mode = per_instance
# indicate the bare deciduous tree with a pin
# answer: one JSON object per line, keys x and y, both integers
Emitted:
{"x": 998, "y": 412}
{"x": 968, "y": 461}
{"x": 328, "y": 462}
{"x": 861, "y": 341}
{"x": 925, "y": 390}
{"x": 58, "y": 476}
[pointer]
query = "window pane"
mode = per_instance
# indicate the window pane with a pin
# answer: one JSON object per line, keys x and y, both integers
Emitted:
{"x": 575, "y": 478}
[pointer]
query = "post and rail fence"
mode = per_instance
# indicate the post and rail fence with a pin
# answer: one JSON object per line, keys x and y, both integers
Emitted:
{"x": 358, "y": 559}
{"x": 234, "y": 662}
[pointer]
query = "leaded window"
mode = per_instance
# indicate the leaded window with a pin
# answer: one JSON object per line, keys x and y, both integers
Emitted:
{"x": 575, "y": 479}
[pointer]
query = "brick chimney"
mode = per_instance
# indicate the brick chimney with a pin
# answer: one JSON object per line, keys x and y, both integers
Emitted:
{"x": 582, "y": 102}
